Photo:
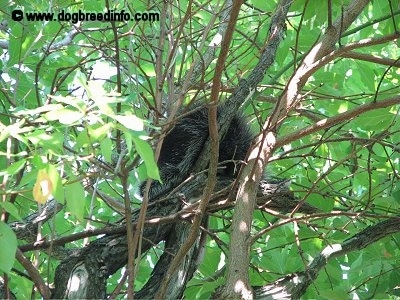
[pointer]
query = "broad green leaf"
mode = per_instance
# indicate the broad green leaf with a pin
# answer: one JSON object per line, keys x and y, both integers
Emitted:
{"x": 82, "y": 140}
{"x": 75, "y": 198}
{"x": 39, "y": 136}
{"x": 14, "y": 168}
{"x": 368, "y": 75}
{"x": 335, "y": 294}
{"x": 324, "y": 203}
{"x": 73, "y": 101}
{"x": 376, "y": 120}
{"x": 13, "y": 130}
{"x": 23, "y": 286}
{"x": 97, "y": 134}
{"x": 52, "y": 143}
{"x": 16, "y": 38}
{"x": 11, "y": 209}
{"x": 278, "y": 261}
{"x": 396, "y": 195}
{"x": 211, "y": 260}
{"x": 8, "y": 242}
{"x": 38, "y": 110}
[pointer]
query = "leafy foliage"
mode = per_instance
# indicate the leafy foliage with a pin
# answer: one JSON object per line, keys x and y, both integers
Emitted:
{"x": 80, "y": 113}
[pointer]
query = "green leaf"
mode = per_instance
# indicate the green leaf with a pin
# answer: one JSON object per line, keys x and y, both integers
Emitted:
{"x": 50, "y": 142}
{"x": 131, "y": 122}
{"x": 377, "y": 119}
{"x": 14, "y": 168}
{"x": 338, "y": 293}
{"x": 73, "y": 101}
{"x": 14, "y": 48}
{"x": 146, "y": 153}
{"x": 23, "y": 286}
{"x": 13, "y": 130}
{"x": 75, "y": 197}
{"x": 396, "y": 195}
{"x": 38, "y": 110}
{"x": 97, "y": 134}
{"x": 82, "y": 140}
{"x": 58, "y": 188}
{"x": 324, "y": 203}
{"x": 8, "y": 242}
{"x": 368, "y": 75}
{"x": 39, "y": 136}
{"x": 11, "y": 209}
{"x": 64, "y": 116}
{"x": 106, "y": 149}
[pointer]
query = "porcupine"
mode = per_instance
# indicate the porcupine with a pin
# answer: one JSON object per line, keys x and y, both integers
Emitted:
{"x": 184, "y": 143}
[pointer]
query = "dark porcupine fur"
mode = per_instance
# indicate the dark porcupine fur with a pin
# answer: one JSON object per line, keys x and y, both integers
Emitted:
{"x": 184, "y": 144}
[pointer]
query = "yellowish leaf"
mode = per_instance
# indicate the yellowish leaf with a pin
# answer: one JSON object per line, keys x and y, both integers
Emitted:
{"x": 42, "y": 188}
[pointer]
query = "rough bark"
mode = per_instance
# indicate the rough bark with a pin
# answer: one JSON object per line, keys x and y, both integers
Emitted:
{"x": 84, "y": 274}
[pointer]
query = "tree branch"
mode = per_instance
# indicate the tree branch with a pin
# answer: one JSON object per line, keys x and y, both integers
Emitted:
{"x": 237, "y": 278}
{"x": 372, "y": 58}
{"x": 294, "y": 286}
{"x": 34, "y": 273}
{"x": 328, "y": 122}
{"x": 192, "y": 236}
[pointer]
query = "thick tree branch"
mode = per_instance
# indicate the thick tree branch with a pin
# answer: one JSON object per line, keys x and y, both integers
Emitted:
{"x": 324, "y": 47}
{"x": 294, "y": 286}
{"x": 192, "y": 236}
{"x": 104, "y": 256}
{"x": 237, "y": 279}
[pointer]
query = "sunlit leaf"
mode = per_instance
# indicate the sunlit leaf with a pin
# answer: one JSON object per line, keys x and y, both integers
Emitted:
{"x": 64, "y": 116}
{"x": 131, "y": 122}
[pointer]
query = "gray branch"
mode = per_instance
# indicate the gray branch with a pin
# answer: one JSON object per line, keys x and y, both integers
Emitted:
{"x": 293, "y": 286}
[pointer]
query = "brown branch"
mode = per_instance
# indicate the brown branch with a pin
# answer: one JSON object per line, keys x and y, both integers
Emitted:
{"x": 372, "y": 58}
{"x": 237, "y": 278}
{"x": 342, "y": 52}
{"x": 111, "y": 230}
{"x": 328, "y": 122}
{"x": 370, "y": 42}
{"x": 212, "y": 172}
{"x": 270, "y": 195}
{"x": 33, "y": 272}
{"x": 319, "y": 55}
